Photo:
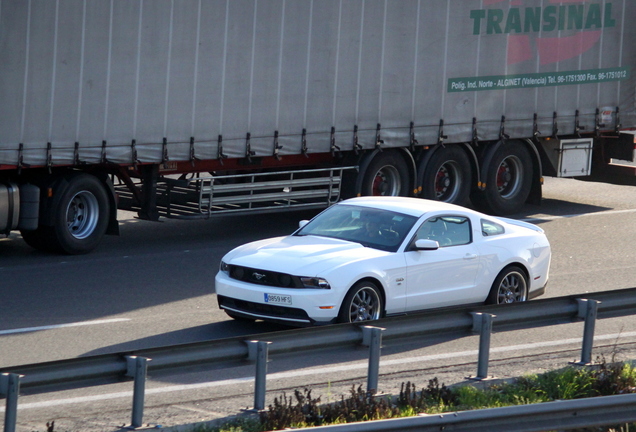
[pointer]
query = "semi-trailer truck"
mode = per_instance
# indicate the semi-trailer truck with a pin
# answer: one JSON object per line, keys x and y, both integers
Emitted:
{"x": 196, "y": 108}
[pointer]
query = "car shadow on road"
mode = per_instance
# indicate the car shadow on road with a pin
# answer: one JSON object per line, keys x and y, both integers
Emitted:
{"x": 202, "y": 333}
{"x": 202, "y": 371}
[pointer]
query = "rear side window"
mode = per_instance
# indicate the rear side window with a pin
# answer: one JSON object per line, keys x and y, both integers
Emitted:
{"x": 490, "y": 228}
{"x": 446, "y": 230}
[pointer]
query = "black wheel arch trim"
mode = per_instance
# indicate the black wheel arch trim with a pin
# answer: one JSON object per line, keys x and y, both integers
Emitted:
{"x": 523, "y": 268}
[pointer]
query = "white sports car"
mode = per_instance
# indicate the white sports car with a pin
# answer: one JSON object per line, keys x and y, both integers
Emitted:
{"x": 368, "y": 257}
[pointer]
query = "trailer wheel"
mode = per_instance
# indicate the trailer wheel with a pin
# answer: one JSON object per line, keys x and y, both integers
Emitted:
{"x": 508, "y": 179}
{"x": 447, "y": 175}
{"x": 386, "y": 175}
{"x": 80, "y": 217}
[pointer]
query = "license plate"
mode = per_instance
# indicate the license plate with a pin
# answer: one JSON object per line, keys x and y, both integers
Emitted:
{"x": 278, "y": 299}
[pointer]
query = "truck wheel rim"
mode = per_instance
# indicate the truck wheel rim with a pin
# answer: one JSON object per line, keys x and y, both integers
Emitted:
{"x": 365, "y": 306}
{"x": 387, "y": 182}
{"x": 509, "y": 176}
{"x": 512, "y": 289}
{"x": 447, "y": 182}
{"x": 82, "y": 215}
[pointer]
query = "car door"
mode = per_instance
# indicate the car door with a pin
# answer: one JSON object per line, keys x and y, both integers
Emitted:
{"x": 445, "y": 276}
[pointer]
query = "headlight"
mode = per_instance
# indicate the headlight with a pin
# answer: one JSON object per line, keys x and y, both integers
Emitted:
{"x": 314, "y": 282}
{"x": 224, "y": 267}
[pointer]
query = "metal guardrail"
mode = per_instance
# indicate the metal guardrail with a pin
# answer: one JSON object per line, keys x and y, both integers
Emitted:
{"x": 455, "y": 322}
{"x": 559, "y": 415}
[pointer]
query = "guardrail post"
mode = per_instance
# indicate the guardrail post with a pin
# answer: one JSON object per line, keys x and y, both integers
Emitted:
{"x": 10, "y": 388}
{"x": 482, "y": 324}
{"x": 137, "y": 368}
{"x": 372, "y": 337}
{"x": 258, "y": 351}
{"x": 587, "y": 310}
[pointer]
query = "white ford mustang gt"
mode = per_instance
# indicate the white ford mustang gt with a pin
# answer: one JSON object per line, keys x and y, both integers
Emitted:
{"x": 368, "y": 257}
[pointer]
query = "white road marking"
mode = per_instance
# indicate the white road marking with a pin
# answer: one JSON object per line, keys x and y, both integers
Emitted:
{"x": 316, "y": 371}
{"x": 57, "y": 326}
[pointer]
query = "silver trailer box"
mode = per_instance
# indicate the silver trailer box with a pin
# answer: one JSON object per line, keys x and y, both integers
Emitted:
{"x": 83, "y": 80}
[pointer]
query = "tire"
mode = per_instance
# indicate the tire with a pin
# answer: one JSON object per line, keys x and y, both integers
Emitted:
{"x": 508, "y": 180}
{"x": 80, "y": 217}
{"x": 363, "y": 302}
{"x": 447, "y": 176}
{"x": 386, "y": 175}
{"x": 510, "y": 286}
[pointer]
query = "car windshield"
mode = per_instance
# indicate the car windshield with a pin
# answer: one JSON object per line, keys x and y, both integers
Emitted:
{"x": 375, "y": 228}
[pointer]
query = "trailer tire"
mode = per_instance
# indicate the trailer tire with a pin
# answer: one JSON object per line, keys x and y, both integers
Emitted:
{"x": 446, "y": 176}
{"x": 508, "y": 179}
{"x": 386, "y": 175}
{"x": 80, "y": 217}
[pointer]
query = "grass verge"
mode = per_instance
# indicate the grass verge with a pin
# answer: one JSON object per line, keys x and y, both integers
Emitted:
{"x": 302, "y": 409}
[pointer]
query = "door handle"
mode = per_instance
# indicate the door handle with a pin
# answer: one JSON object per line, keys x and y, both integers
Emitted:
{"x": 469, "y": 256}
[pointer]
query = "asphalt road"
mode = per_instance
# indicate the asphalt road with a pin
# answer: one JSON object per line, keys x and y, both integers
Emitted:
{"x": 153, "y": 286}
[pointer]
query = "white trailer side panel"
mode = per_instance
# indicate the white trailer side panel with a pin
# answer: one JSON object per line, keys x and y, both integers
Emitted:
{"x": 118, "y": 71}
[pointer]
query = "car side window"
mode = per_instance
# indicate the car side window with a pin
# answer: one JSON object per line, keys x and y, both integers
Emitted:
{"x": 446, "y": 230}
{"x": 490, "y": 228}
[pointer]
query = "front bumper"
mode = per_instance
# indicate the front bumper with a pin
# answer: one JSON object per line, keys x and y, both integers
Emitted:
{"x": 247, "y": 300}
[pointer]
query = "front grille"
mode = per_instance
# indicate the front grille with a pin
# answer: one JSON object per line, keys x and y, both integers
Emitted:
{"x": 273, "y": 311}
{"x": 264, "y": 277}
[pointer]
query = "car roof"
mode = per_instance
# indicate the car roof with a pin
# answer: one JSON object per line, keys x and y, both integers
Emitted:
{"x": 411, "y": 206}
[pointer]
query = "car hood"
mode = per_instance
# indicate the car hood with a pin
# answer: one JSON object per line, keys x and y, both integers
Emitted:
{"x": 300, "y": 255}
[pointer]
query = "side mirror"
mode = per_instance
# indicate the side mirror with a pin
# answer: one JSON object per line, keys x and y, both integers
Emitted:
{"x": 426, "y": 244}
{"x": 302, "y": 223}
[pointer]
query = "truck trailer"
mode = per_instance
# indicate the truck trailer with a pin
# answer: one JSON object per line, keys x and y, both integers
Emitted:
{"x": 196, "y": 108}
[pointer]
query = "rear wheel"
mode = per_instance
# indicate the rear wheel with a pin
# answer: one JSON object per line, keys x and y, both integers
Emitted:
{"x": 447, "y": 175}
{"x": 509, "y": 179}
{"x": 386, "y": 175}
{"x": 510, "y": 286}
{"x": 362, "y": 303}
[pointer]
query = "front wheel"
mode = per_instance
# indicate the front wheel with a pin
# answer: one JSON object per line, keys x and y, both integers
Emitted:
{"x": 510, "y": 286}
{"x": 80, "y": 217}
{"x": 362, "y": 303}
